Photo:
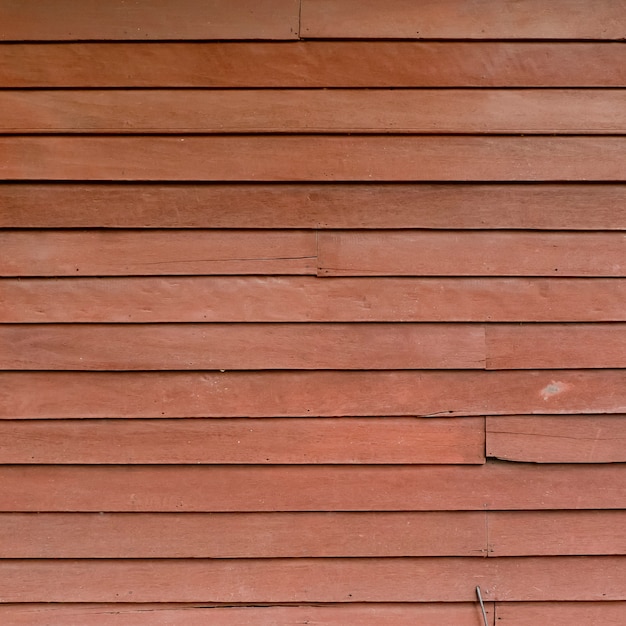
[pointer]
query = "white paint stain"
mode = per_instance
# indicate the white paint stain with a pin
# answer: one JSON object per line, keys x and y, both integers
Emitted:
{"x": 553, "y": 389}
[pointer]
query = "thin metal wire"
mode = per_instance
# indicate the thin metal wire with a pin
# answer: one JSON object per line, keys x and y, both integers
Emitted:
{"x": 482, "y": 605}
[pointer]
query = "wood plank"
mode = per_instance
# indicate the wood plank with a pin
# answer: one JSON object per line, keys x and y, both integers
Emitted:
{"x": 142, "y": 253}
{"x": 312, "y": 158}
{"x": 558, "y": 439}
{"x": 561, "y": 613}
{"x": 477, "y": 253}
{"x": 241, "y": 346}
{"x": 218, "y": 205}
{"x": 313, "y": 580}
{"x": 527, "y": 111}
{"x": 28, "y": 395}
{"x": 309, "y": 299}
{"x": 299, "y": 441}
{"x": 456, "y": 19}
{"x": 527, "y": 533}
{"x": 240, "y": 535}
{"x": 556, "y": 345}
{"x": 76, "y": 20}
{"x": 314, "y": 64}
{"x": 370, "y": 614}
{"x": 203, "y": 488}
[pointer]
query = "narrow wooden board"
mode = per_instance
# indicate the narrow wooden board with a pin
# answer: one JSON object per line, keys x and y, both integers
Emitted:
{"x": 308, "y": 299}
{"x": 314, "y": 580}
{"x": 222, "y": 205}
{"x": 76, "y": 20}
{"x": 370, "y": 614}
{"x": 352, "y": 346}
{"x": 271, "y": 440}
{"x": 94, "y": 252}
{"x": 456, "y": 19}
{"x": 240, "y": 535}
{"x": 536, "y": 346}
{"x": 313, "y": 64}
{"x": 561, "y": 613}
{"x": 313, "y": 158}
{"x": 528, "y": 533}
{"x": 477, "y": 253}
{"x": 558, "y": 439}
{"x": 198, "y": 488}
{"x": 28, "y": 395}
{"x": 528, "y": 111}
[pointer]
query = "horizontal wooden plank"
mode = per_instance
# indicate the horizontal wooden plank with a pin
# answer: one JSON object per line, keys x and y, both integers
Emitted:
{"x": 241, "y": 346}
{"x": 132, "y": 252}
{"x": 309, "y": 299}
{"x": 314, "y": 64}
{"x": 240, "y": 535}
{"x": 477, "y": 253}
{"x": 313, "y": 580}
{"x": 202, "y": 488}
{"x": 370, "y": 614}
{"x": 306, "y": 440}
{"x": 222, "y": 205}
{"x": 527, "y": 111}
{"x": 456, "y": 19}
{"x": 561, "y": 613}
{"x": 309, "y": 394}
{"x": 526, "y": 533}
{"x": 558, "y": 439}
{"x": 312, "y": 158}
{"x": 76, "y": 20}
{"x": 555, "y": 345}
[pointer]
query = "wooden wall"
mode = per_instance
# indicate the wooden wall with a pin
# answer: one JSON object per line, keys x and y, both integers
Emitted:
{"x": 312, "y": 312}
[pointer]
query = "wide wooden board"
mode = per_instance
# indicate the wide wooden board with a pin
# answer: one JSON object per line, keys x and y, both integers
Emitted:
{"x": 266, "y": 441}
{"x": 476, "y": 253}
{"x": 202, "y": 488}
{"x": 528, "y": 111}
{"x": 240, "y": 535}
{"x": 353, "y": 346}
{"x": 354, "y": 614}
{"x": 527, "y": 533}
{"x": 561, "y": 613}
{"x": 558, "y": 439}
{"x": 258, "y": 205}
{"x": 314, "y": 64}
{"x": 309, "y": 299}
{"x": 28, "y": 395}
{"x": 458, "y": 19}
{"x": 314, "y": 580}
{"x": 133, "y": 252}
{"x": 312, "y": 158}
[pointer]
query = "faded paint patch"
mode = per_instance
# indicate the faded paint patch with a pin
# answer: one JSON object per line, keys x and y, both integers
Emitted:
{"x": 553, "y": 389}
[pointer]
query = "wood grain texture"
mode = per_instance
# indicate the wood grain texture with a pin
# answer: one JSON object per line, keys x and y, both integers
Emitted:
{"x": 221, "y": 205}
{"x": 312, "y": 158}
{"x": 527, "y": 533}
{"x": 240, "y": 535}
{"x": 558, "y": 439}
{"x": 370, "y": 614}
{"x": 267, "y": 441}
{"x": 456, "y": 19}
{"x": 313, "y": 64}
{"x": 528, "y": 111}
{"x": 477, "y": 253}
{"x": 198, "y": 488}
{"x": 561, "y": 613}
{"x": 242, "y": 347}
{"x": 28, "y": 395}
{"x": 309, "y": 299}
{"x": 313, "y": 580}
{"x": 76, "y": 253}
{"x": 76, "y": 20}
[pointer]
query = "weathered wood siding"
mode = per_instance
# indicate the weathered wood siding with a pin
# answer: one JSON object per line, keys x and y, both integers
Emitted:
{"x": 312, "y": 311}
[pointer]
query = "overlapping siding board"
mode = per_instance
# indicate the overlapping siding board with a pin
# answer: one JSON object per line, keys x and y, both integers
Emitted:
{"x": 312, "y": 311}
